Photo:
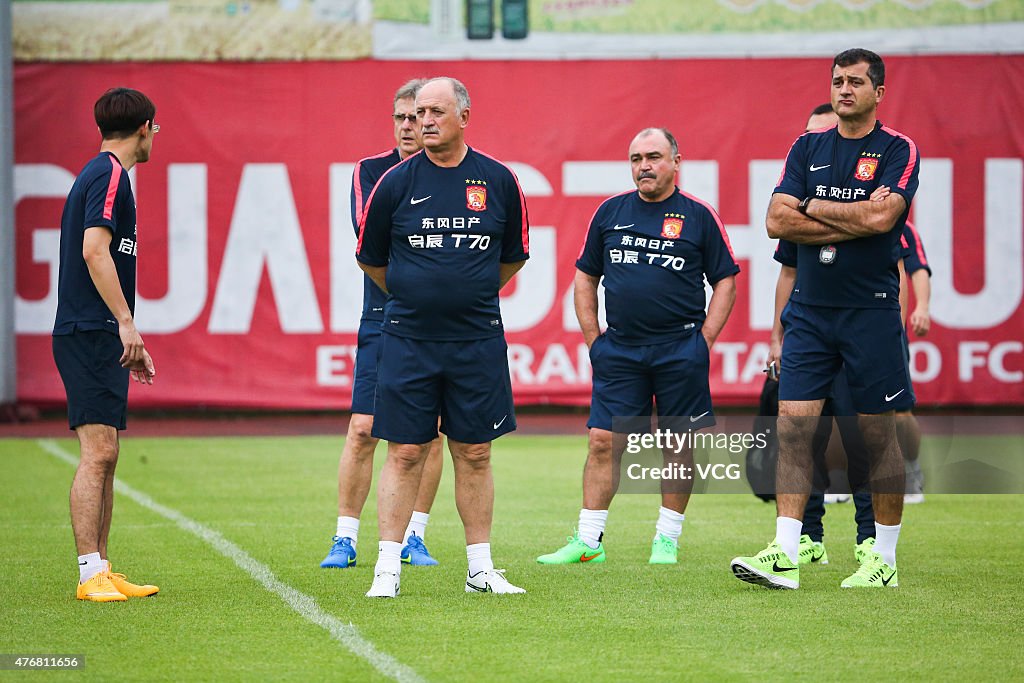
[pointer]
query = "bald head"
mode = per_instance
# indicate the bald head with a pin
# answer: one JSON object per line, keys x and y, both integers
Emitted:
{"x": 442, "y": 109}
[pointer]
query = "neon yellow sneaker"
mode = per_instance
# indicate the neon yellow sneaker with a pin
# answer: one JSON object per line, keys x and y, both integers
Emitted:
{"x": 575, "y": 551}
{"x": 873, "y": 573}
{"x": 862, "y": 550}
{"x": 811, "y": 552}
{"x": 770, "y": 568}
{"x": 128, "y": 589}
{"x": 99, "y": 589}
{"x": 664, "y": 550}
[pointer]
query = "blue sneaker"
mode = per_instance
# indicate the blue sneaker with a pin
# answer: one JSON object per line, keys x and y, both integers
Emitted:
{"x": 342, "y": 554}
{"x": 415, "y": 553}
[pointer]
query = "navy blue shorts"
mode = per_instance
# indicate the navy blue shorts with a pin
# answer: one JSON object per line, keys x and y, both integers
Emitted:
{"x": 89, "y": 363}
{"x": 630, "y": 380}
{"x": 466, "y": 383}
{"x": 364, "y": 377}
{"x": 871, "y": 342}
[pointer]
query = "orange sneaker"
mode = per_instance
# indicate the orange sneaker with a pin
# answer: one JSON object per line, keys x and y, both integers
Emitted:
{"x": 99, "y": 589}
{"x": 125, "y": 587}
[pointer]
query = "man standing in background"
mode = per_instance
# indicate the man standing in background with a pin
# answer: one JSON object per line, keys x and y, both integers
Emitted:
{"x": 355, "y": 467}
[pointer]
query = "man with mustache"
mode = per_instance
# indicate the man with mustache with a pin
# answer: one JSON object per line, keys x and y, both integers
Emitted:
{"x": 443, "y": 232}
{"x": 653, "y": 248}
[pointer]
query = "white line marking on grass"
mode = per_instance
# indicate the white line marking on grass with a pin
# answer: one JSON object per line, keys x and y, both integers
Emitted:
{"x": 346, "y": 634}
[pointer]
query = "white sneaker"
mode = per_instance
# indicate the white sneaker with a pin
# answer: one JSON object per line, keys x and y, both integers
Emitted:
{"x": 493, "y": 581}
{"x": 385, "y": 585}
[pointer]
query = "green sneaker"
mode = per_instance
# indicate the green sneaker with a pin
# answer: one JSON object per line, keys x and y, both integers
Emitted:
{"x": 873, "y": 573}
{"x": 861, "y": 551}
{"x": 811, "y": 552}
{"x": 576, "y": 551}
{"x": 664, "y": 550}
{"x": 770, "y": 568}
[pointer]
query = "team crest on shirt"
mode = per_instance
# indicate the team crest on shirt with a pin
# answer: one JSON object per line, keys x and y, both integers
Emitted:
{"x": 672, "y": 228}
{"x": 866, "y": 167}
{"x": 476, "y": 195}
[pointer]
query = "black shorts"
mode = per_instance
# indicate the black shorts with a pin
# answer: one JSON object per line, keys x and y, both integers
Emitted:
{"x": 94, "y": 381}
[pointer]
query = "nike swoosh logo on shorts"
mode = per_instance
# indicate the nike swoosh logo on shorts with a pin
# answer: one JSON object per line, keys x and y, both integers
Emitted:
{"x": 622, "y": 227}
{"x": 889, "y": 398}
{"x": 498, "y": 424}
{"x": 413, "y": 200}
{"x": 818, "y": 168}
{"x": 695, "y": 418}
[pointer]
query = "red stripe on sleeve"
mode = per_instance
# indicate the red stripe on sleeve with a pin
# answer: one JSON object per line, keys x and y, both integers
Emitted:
{"x": 115, "y": 179}
{"x": 718, "y": 221}
{"x": 918, "y": 245}
{"x": 902, "y": 184}
{"x": 522, "y": 202}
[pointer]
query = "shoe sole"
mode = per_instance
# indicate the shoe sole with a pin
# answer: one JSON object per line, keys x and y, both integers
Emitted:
{"x": 103, "y": 597}
{"x": 474, "y": 589}
{"x": 745, "y": 572}
{"x": 662, "y": 561}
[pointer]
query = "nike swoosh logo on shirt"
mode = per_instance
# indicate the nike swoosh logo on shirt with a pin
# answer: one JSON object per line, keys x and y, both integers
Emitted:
{"x": 413, "y": 200}
{"x": 498, "y": 424}
{"x": 818, "y": 168}
{"x": 889, "y": 398}
{"x": 622, "y": 227}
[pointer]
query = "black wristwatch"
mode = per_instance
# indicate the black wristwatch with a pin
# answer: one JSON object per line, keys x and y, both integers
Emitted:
{"x": 802, "y": 206}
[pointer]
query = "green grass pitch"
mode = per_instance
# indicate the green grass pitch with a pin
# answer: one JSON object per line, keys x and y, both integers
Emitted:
{"x": 956, "y": 614}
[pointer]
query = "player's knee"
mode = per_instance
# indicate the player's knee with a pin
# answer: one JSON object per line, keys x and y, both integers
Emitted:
{"x": 360, "y": 429}
{"x": 879, "y": 432}
{"x": 475, "y": 455}
{"x": 599, "y": 444}
{"x": 406, "y": 456}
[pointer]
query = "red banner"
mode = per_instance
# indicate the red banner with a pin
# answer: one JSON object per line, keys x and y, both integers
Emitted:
{"x": 249, "y": 293}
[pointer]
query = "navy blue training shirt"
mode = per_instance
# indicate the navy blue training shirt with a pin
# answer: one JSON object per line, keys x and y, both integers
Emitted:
{"x": 100, "y": 197}
{"x": 366, "y": 174}
{"x": 859, "y": 273}
{"x": 654, "y": 257}
{"x": 912, "y": 251}
{"x": 443, "y": 233}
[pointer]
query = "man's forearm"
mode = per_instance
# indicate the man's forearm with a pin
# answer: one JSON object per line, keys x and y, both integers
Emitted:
{"x": 921, "y": 282}
{"x": 859, "y": 219}
{"x": 786, "y": 222}
{"x": 783, "y": 290}
{"x": 376, "y": 274}
{"x": 585, "y": 302}
{"x": 507, "y": 271}
{"x": 103, "y": 273}
{"x": 722, "y": 299}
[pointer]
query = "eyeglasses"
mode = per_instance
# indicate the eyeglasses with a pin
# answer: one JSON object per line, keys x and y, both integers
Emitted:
{"x": 399, "y": 118}
{"x": 155, "y": 128}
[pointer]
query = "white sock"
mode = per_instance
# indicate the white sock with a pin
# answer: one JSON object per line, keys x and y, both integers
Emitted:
{"x": 389, "y": 557}
{"x": 348, "y": 527}
{"x": 787, "y": 535}
{"x": 670, "y": 523}
{"x": 885, "y": 542}
{"x": 89, "y": 566}
{"x": 591, "y": 526}
{"x": 417, "y": 525}
{"x": 479, "y": 556}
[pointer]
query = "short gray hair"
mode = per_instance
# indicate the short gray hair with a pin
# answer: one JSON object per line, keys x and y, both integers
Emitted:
{"x": 664, "y": 131}
{"x": 409, "y": 90}
{"x": 461, "y": 94}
